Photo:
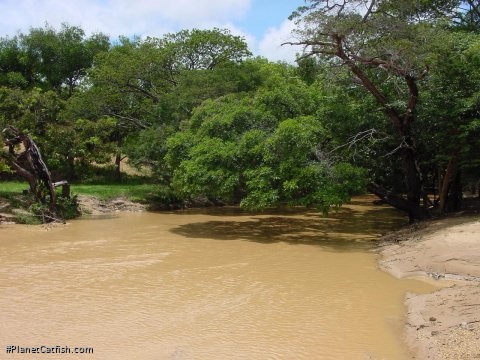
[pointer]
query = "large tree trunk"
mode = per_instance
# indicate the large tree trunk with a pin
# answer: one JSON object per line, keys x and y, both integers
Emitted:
{"x": 412, "y": 178}
{"x": 448, "y": 179}
{"x": 117, "y": 170}
{"x": 414, "y": 211}
{"x": 402, "y": 124}
{"x": 456, "y": 193}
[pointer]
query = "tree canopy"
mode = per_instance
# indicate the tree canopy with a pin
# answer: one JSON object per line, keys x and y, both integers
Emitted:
{"x": 389, "y": 49}
{"x": 385, "y": 96}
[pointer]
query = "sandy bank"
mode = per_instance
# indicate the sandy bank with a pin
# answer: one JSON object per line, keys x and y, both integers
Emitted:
{"x": 445, "y": 324}
{"x": 91, "y": 205}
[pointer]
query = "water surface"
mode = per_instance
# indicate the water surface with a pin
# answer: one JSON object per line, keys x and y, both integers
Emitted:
{"x": 204, "y": 284}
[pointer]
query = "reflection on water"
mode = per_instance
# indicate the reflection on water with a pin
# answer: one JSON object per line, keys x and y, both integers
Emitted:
{"x": 204, "y": 284}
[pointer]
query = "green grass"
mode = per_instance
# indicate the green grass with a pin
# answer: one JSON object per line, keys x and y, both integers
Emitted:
{"x": 134, "y": 192}
{"x": 11, "y": 187}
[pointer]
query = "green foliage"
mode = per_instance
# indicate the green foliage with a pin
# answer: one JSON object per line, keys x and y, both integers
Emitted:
{"x": 208, "y": 120}
{"x": 48, "y": 58}
{"x": 206, "y": 49}
{"x": 261, "y": 149}
{"x": 149, "y": 86}
{"x": 449, "y": 115}
{"x": 148, "y": 149}
{"x": 165, "y": 198}
{"x": 4, "y": 168}
{"x": 308, "y": 69}
{"x": 27, "y": 218}
{"x": 294, "y": 172}
{"x": 29, "y": 110}
{"x": 420, "y": 69}
{"x": 82, "y": 142}
{"x": 68, "y": 208}
{"x": 20, "y": 203}
{"x": 210, "y": 170}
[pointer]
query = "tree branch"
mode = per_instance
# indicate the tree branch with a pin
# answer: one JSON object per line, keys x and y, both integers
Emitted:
{"x": 474, "y": 7}
{"x": 134, "y": 121}
{"x": 362, "y": 135}
{"x": 143, "y": 91}
{"x": 369, "y": 11}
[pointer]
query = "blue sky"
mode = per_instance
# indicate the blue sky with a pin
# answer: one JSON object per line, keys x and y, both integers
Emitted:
{"x": 264, "y": 14}
{"x": 263, "y": 23}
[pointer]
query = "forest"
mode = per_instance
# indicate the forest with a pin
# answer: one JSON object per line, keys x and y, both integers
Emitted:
{"x": 384, "y": 97}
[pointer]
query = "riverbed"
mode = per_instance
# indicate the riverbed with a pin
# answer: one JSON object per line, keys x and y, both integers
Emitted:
{"x": 205, "y": 284}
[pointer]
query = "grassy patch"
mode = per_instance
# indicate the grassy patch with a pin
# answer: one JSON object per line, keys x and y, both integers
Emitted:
{"x": 11, "y": 188}
{"x": 133, "y": 192}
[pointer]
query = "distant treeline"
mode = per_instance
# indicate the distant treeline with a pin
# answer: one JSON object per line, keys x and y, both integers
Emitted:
{"x": 385, "y": 97}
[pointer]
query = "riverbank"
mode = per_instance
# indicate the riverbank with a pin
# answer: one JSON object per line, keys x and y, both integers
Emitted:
{"x": 445, "y": 324}
{"x": 92, "y": 205}
{"x": 93, "y": 199}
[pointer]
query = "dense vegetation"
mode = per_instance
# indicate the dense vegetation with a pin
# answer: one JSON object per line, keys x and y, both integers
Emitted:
{"x": 386, "y": 94}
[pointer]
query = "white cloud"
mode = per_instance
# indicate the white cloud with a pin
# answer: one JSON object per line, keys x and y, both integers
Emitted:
{"x": 119, "y": 17}
{"x": 270, "y": 46}
{"x": 146, "y": 18}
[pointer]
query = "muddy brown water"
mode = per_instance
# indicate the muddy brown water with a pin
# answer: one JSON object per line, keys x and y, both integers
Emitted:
{"x": 204, "y": 284}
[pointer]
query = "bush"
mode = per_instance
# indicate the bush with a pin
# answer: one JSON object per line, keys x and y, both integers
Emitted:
{"x": 68, "y": 208}
{"x": 165, "y": 199}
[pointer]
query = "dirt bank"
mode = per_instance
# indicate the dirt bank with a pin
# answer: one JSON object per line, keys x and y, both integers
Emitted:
{"x": 94, "y": 206}
{"x": 445, "y": 324}
{"x": 89, "y": 205}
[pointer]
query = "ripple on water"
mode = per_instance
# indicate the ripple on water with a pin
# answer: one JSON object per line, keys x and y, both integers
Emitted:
{"x": 205, "y": 285}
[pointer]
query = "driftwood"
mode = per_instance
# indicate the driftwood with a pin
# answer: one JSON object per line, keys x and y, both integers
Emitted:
{"x": 29, "y": 164}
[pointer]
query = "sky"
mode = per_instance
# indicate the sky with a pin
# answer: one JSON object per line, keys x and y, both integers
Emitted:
{"x": 263, "y": 23}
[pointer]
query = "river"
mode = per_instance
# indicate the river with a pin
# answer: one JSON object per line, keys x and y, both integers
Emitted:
{"x": 204, "y": 284}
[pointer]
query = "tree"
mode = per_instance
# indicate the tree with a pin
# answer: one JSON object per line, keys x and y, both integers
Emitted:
{"x": 467, "y": 16}
{"x": 149, "y": 86}
{"x": 261, "y": 149}
{"x": 449, "y": 115}
{"x": 49, "y": 59}
{"x": 205, "y": 49}
{"x": 15, "y": 68}
{"x": 61, "y": 58}
{"x": 383, "y": 44}
{"x": 30, "y": 110}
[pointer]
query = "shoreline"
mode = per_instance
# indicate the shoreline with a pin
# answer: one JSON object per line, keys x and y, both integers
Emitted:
{"x": 89, "y": 205}
{"x": 442, "y": 325}
{"x": 445, "y": 324}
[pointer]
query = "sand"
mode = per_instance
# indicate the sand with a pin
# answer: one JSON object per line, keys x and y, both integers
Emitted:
{"x": 91, "y": 205}
{"x": 445, "y": 324}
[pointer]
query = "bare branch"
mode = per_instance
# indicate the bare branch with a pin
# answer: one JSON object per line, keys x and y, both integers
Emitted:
{"x": 310, "y": 43}
{"x": 369, "y": 11}
{"x": 362, "y": 135}
{"x": 134, "y": 121}
{"x": 388, "y": 66}
{"x": 371, "y": 135}
{"x": 475, "y": 8}
{"x": 403, "y": 145}
{"x": 340, "y": 6}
